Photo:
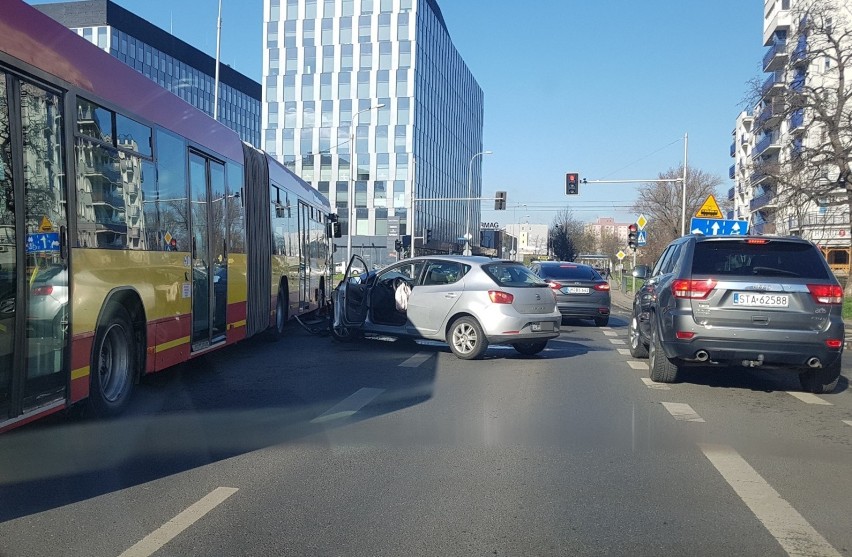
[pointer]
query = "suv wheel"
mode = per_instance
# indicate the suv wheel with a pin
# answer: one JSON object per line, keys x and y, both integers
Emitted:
{"x": 822, "y": 379}
{"x": 663, "y": 370}
{"x": 637, "y": 347}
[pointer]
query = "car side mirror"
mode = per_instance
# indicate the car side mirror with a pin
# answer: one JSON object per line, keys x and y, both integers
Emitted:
{"x": 641, "y": 271}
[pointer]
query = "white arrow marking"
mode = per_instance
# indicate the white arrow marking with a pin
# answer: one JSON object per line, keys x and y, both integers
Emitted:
{"x": 715, "y": 228}
{"x": 736, "y": 227}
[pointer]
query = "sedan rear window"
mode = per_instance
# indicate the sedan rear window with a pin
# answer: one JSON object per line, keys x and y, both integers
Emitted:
{"x": 513, "y": 275}
{"x": 577, "y": 272}
{"x": 771, "y": 259}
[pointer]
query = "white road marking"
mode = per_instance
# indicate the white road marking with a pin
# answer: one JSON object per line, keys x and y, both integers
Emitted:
{"x": 682, "y": 412}
{"x": 847, "y": 422}
{"x": 349, "y": 405}
{"x": 417, "y": 359}
{"x": 784, "y": 523}
{"x": 654, "y": 385}
{"x": 624, "y": 351}
{"x": 637, "y": 365}
{"x": 192, "y": 514}
{"x": 617, "y": 341}
{"x": 606, "y": 328}
{"x": 809, "y": 398}
{"x": 610, "y": 333}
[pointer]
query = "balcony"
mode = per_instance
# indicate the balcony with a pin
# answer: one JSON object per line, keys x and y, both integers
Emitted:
{"x": 776, "y": 57}
{"x": 800, "y": 53}
{"x": 732, "y": 171}
{"x": 763, "y": 173}
{"x": 731, "y": 193}
{"x": 798, "y": 83}
{"x": 773, "y": 84}
{"x": 766, "y": 146}
{"x": 770, "y": 115}
{"x": 766, "y": 200}
{"x": 733, "y": 149}
{"x": 763, "y": 228}
{"x": 797, "y": 121}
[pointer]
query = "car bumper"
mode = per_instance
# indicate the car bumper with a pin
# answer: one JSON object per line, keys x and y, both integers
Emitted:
{"x": 502, "y": 325}
{"x": 577, "y": 310}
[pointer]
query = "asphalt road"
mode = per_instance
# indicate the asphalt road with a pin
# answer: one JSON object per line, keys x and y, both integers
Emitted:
{"x": 307, "y": 446}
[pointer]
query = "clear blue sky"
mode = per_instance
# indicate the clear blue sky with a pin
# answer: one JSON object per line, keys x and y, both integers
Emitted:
{"x": 591, "y": 86}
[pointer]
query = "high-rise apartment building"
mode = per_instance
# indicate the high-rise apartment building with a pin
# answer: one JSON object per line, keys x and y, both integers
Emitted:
{"x": 777, "y": 169}
{"x": 387, "y": 73}
{"x": 182, "y": 69}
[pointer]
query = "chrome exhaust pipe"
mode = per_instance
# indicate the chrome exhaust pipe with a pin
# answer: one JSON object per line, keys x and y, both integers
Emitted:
{"x": 814, "y": 362}
{"x": 702, "y": 356}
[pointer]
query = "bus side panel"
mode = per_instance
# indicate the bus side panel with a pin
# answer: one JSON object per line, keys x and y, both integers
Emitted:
{"x": 237, "y": 297}
{"x": 81, "y": 356}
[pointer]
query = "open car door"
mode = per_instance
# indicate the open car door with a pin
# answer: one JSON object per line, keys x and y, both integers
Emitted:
{"x": 350, "y": 300}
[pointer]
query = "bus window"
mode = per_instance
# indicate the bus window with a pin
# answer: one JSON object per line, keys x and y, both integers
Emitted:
{"x": 172, "y": 202}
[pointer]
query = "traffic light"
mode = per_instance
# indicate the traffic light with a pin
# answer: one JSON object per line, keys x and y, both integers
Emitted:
{"x": 572, "y": 183}
{"x": 397, "y": 245}
{"x": 428, "y": 235}
{"x": 631, "y": 236}
{"x": 500, "y": 201}
{"x": 334, "y": 226}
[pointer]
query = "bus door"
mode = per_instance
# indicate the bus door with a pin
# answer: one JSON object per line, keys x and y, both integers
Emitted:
{"x": 304, "y": 255}
{"x": 34, "y": 285}
{"x": 209, "y": 201}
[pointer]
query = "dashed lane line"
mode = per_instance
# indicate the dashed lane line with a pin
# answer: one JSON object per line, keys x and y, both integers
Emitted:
{"x": 617, "y": 341}
{"x": 682, "y": 412}
{"x": 809, "y": 398}
{"x": 417, "y": 359}
{"x": 168, "y": 531}
{"x": 637, "y": 365}
{"x": 624, "y": 351}
{"x": 784, "y": 523}
{"x": 654, "y": 385}
{"x": 610, "y": 333}
{"x": 847, "y": 422}
{"x": 349, "y": 405}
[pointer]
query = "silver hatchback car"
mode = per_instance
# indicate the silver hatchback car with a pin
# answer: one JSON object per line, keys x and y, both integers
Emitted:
{"x": 468, "y": 302}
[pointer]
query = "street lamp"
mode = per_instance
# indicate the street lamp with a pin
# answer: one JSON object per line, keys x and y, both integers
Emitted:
{"x": 467, "y": 235}
{"x": 351, "y": 193}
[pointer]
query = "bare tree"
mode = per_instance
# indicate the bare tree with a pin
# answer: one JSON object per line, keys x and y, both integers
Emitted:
{"x": 661, "y": 203}
{"x": 608, "y": 244}
{"x": 567, "y": 236}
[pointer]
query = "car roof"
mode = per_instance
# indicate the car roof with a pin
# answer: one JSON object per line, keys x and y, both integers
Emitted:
{"x": 771, "y": 237}
{"x": 561, "y": 263}
{"x": 469, "y": 259}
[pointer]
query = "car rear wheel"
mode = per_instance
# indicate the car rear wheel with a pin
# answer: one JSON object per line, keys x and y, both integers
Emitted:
{"x": 662, "y": 369}
{"x": 821, "y": 380}
{"x": 530, "y": 348}
{"x": 637, "y": 348}
{"x": 466, "y": 339}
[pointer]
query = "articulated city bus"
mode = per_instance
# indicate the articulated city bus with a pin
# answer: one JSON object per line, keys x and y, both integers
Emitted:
{"x": 136, "y": 232}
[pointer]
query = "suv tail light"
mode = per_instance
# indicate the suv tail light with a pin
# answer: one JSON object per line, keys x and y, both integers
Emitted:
{"x": 697, "y": 289}
{"x": 500, "y": 297}
{"x": 603, "y": 286}
{"x": 42, "y": 290}
{"x": 826, "y": 293}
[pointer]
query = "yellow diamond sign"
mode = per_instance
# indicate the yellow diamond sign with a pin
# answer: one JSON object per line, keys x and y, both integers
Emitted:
{"x": 620, "y": 255}
{"x": 168, "y": 237}
{"x": 641, "y": 222}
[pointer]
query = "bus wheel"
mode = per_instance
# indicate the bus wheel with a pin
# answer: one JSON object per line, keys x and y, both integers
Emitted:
{"x": 281, "y": 315}
{"x": 112, "y": 370}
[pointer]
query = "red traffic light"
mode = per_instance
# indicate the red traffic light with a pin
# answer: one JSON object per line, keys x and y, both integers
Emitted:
{"x": 632, "y": 228}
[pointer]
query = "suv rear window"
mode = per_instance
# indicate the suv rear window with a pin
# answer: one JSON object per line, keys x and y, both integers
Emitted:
{"x": 772, "y": 259}
{"x": 512, "y": 275}
{"x": 568, "y": 271}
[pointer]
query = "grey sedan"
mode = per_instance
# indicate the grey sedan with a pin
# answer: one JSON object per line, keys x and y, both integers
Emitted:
{"x": 468, "y": 302}
{"x": 581, "y": 291}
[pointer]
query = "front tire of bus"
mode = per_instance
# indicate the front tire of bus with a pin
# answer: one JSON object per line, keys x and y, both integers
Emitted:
{"x": 112, "y": 372}
{"x": 281, "y": 312}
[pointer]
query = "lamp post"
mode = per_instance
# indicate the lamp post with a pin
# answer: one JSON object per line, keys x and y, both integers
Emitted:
{"x": 467, "y": 236}
{"x": 352, "y": 168}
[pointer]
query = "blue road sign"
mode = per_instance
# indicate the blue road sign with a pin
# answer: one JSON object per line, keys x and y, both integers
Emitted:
{"x": 641, "y": 238}
{"x": 718, "y": 227}
{"x": 42, "y": 241}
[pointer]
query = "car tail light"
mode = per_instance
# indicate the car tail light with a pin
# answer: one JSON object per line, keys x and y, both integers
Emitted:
{"x": 757, "y": 241}
{"x": 826, "y": 293}
{"x": 500, "y": 297}
{"x": 834, "y": 342}
{"x": 42, "y": 290}
{"x": 555, "y": 285}
{"x": 698, "y": 289}
{"x": 684, "y": 335}
{"x": 603, "y": 286}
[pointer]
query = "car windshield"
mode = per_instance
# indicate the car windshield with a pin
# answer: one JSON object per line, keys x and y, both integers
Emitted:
{"x": 770, "y": 259}
{"x": 568, "y": 271}
{"x": 513, "y": 275}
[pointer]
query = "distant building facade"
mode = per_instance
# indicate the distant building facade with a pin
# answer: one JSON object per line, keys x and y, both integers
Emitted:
{"x": 173, "y": 64}
{"x": 606, "y": 226}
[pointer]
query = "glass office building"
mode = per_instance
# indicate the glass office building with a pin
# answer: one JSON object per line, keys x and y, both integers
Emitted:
{"x": 182, "y": 69}
{"x": 327, "y": 65}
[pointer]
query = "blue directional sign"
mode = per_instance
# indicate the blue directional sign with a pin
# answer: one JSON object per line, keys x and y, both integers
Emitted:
{"x": 641, "y": 238}
{"x": 718, "y": 227}
{"x": 42, "y": 241}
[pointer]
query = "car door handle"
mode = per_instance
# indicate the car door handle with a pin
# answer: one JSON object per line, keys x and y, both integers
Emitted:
{"x": 450, "y": 295}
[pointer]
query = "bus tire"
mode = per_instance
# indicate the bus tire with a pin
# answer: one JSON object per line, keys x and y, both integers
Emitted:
{"x": 113, "y": 366}
{"x": 282, "y": 310}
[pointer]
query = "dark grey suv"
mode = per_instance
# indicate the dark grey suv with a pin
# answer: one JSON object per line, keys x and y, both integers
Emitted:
{"x": 740, "y": 300}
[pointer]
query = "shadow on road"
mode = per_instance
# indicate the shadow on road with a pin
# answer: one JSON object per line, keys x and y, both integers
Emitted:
{"x": 738, "y": 377}
{"x": 247, "y": 397}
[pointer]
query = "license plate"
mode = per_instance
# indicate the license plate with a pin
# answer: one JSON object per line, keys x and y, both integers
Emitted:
{"x": 576, "y": 290}
{"x": 761, "y": 300}
{"x": 543, "y": 326}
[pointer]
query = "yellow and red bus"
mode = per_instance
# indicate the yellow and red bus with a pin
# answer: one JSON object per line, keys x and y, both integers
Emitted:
{"x": 137, "y": 232}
